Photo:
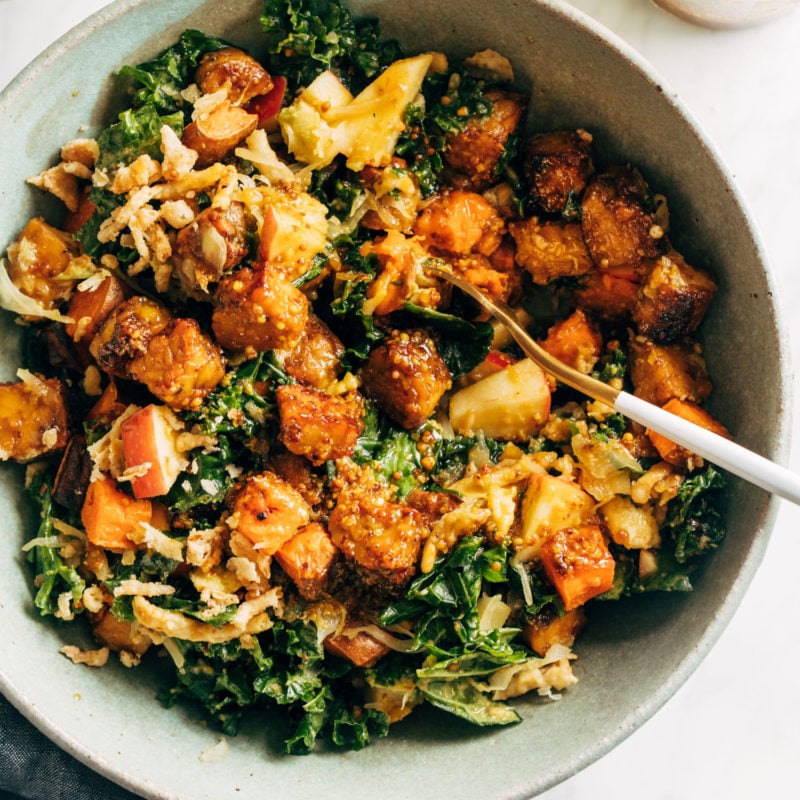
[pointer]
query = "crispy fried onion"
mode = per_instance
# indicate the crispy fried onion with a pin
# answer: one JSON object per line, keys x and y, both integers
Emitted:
{"x": 252, "y": 617}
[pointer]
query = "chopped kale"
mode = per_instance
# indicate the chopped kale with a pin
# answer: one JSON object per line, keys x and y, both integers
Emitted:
{"x": 283, "y": 669}
{"x": 693, "y": 522}
{"x": 208, "y": 479}
{"x": 443, "y": 605}
{"x": 613, "y": 366}
{"x": 461, "y": 343}
{"x": 452, "y": 99}
{"x": 240, "y": 406}
{"x": 307, "y": 37}
{"x": 159, "y": 83}
{"x": 347, "y": 307}
{"x": 138, "y": 132}
{"x": 54, "y": 576}
{"x": 443, "y": 608}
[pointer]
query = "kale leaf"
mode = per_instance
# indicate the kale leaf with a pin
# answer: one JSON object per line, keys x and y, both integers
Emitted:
{"x": 138, "y": 132}
{"x": 452, "y": 100}
{"x": 159, "y": 83}
{"x": 461, "y": 343}
{"x": 282, "y": 669}
{"x": 307, "y": 37}
{"x": 442, "y": 607}
{"x": 54, "y": 576}
{"x": 693, "y": 522}
{"x": 443, "y": 604}
{"x": 242, "y": 405}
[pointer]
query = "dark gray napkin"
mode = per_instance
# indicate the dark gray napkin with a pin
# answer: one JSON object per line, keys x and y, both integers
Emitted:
{"x": 33, "y": 768}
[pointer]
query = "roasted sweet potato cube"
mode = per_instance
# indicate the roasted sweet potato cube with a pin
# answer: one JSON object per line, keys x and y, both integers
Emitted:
{"x": 90, "y": 309}
{"x": 182, "y": 365}
{"x": 673, "y": 453}
{"x": 549, "y": 250}
{"x": 477, "y": 151}
{"x": 255, "y": 310}
{"x": 672, "y": 300}
{"x": 661, "y": 372}
{"x": 608, "y": 296}
{"x": 407, "y": 377}
{"x": 578, "y": 563}
{"x": 575, "y": 341}
{"x": 38, "y": 258}
{"x": 268, "y": 511}
{"x": 110, "y": 516}
{"x": 318, "y": 425}
{"x": 307, "y": 559}
{"x": 118, "y": 635}
{"x": 317, "y": 357}
{"x": 33, "y": 418}
{"x": 359, "y": 648}
{"x": 557, "y": 166}
{"x": 618, "y": 224}
{"x": 548, "y": 628}
{"x": 108, "y": 406}
{"x": 460, "y": 222}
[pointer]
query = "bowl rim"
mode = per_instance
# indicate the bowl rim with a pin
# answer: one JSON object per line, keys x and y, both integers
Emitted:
{"x": 39, "y": 717}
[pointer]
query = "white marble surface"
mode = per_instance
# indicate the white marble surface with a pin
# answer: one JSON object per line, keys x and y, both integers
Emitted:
{"x": 732, "y": 731}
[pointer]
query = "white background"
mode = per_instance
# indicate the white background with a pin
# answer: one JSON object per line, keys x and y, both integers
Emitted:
{"x": 733, "y": 731}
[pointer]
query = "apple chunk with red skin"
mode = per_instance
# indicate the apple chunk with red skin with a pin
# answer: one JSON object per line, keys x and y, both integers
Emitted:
{"x": 268, "y": 105}
{"x": 149, "y": 447}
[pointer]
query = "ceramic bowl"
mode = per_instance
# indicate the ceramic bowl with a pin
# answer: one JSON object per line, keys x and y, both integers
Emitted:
{"x": 633, "y": 656}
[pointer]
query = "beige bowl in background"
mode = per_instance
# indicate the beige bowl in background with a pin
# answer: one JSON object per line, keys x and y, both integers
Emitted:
{"x": 728, "y": 13}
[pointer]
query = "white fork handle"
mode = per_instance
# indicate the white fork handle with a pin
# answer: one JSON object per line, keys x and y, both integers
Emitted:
{"x": 712, "y": 447}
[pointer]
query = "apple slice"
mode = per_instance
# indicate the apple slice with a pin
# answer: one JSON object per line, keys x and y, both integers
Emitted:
{"x": 294, "y": 231}
{"x": 149, "y": 447}
{"x": 510, "y": 404}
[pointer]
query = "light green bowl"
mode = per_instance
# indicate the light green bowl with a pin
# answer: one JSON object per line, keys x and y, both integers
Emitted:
{"x": 634, "y": 655}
